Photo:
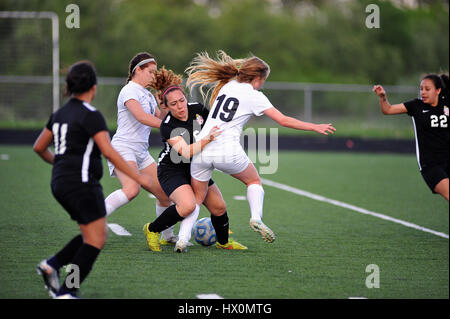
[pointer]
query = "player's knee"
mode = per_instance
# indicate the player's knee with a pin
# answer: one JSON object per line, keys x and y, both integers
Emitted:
{"x": 254, "y": 181}
{"x": 218, "y": 209}
{"x": 131, "y": 191}
{"x": 162, "y": 199}
{"x": 97, "y": 240}
{"x": 186, "y": 208}
{"x": 164, "y": 202}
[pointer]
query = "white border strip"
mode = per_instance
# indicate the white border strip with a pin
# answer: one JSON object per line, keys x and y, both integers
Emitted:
{"x": 209, "y": 296}
{"x": 349, "y": 206}
{"x": 118, "y": 230}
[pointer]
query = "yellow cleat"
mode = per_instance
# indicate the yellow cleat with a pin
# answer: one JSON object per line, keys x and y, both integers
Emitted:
{"x": 171, "y": 241}
{"x": 152, "y": 239}
{"x": 232, "y": 244}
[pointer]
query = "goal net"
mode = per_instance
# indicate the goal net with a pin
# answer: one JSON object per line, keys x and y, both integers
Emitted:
{"x": 29, "y": 63}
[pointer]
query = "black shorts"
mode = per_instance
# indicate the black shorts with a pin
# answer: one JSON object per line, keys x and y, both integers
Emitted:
{"x": 170, "y": 178}
{"x": 434, "y": 174}
{"x": 84, "y": 203}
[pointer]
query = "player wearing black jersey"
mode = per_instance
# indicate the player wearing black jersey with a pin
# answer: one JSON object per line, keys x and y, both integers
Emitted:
{"x": 79, "y": 134}
{"x": 178, "y": 130}
{"x": 429, "y": 115}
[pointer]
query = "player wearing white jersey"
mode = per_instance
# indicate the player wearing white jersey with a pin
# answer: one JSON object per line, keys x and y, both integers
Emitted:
{"x": 137, "y": 113}
{"x": 174, "y": 169}
{"x": 235, "y": 105}
{"x": 234, "y": 99}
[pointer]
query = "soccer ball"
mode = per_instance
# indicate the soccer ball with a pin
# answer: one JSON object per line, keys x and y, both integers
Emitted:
{"x": 204, "y": 232}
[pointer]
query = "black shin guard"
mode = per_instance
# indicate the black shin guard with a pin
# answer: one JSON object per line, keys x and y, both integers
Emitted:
{"x": 168, "y": 218}
{"x": 221, "y": 226}
{"x": 65, "y": 255}
{"x": 84, "y": 260}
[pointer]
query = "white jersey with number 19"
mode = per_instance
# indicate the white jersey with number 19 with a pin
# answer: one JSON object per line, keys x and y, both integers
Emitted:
{"x": 233, "y": 107}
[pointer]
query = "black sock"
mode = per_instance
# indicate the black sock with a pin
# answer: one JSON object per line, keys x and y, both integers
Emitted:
{"x": 84, "y": 260}
{"x": 65, "y": 255}
{"x": 221, "y": 226}
{"x": 168, "y": 218}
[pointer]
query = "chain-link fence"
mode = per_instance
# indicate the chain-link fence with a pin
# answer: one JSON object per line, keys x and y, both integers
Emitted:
{"x": 353, "y": 109}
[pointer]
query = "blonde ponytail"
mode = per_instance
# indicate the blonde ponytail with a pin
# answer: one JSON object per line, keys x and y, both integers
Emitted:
{"x": 204, "y": 70}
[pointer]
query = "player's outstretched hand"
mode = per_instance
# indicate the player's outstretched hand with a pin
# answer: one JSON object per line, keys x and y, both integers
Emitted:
{"x": 379, "y": 90}
{"x": 215, "y": 131}
{"x": 324, "y": 129}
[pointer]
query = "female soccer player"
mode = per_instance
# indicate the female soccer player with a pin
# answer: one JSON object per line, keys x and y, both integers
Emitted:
{"x": 234, "y": 99}
{"x": 79, "y": 133}
{"x": 430, "y": 120}
{"x": 138, "y": 112}
{"x": 178, "y": 129}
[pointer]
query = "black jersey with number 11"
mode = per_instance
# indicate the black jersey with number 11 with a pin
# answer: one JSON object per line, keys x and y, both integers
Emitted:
{"x": 77, "y": 157}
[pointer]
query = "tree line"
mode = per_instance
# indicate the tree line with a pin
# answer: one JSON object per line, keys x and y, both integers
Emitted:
{"x": 305, "y": 41}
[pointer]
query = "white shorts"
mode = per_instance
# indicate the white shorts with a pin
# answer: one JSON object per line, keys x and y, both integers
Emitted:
{"x": 230, "y": 161}
{"x": 134, "y": 152}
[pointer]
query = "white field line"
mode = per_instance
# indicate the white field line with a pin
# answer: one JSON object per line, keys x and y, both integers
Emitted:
{"x": 349, "y": 206}
{"x": 209, "y": 296}
{"x": 118, "y": 230}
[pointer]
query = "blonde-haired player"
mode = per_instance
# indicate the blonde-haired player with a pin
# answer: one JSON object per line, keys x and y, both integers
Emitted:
{"x": 178, "y": 130}
{"x": 234, "y": 99}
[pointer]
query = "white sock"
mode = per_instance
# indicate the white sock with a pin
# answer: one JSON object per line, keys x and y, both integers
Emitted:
{"x": 255, "y": 197}
{"x": 115, "y": 200}
{"x": 187, "y": 224}
{"x": 167, "y": 233}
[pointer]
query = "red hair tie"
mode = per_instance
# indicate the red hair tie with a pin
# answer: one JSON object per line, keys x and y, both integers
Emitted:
{"x": 170, "y": 88}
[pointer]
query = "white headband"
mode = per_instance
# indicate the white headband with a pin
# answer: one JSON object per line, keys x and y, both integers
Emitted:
{"x": 143, "y": 62}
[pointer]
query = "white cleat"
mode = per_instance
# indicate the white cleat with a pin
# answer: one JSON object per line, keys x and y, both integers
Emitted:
{"x": 180, "y": 246}
{"x": 50, "y": 276}
{"x": 265, "y": 232}
{"x": 172, "y": 241}
{"x": 66, "y": 296}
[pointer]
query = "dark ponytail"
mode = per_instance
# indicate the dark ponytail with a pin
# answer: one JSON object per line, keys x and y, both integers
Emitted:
{"x": 165, "y": 82}
{"x": 81, "y": 78}
{"x": 135, "y": 60}
{"x": 445, "y": 92}
{"x": 440, "y": 82}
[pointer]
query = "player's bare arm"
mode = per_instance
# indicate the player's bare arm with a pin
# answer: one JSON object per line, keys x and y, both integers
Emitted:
{"x": 385, "y": 106}
{"x": 41, "y": 146}
{"x": 140, "y": 115}
{"x": 287, "y": 121}
{"x": 187, "y": 151}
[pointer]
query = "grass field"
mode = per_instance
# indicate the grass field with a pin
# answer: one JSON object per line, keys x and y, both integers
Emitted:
{"x": 321, "y": 250}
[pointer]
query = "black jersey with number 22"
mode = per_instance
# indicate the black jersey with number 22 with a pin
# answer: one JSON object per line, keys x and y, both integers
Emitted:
{"x": 432, "y": 133}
